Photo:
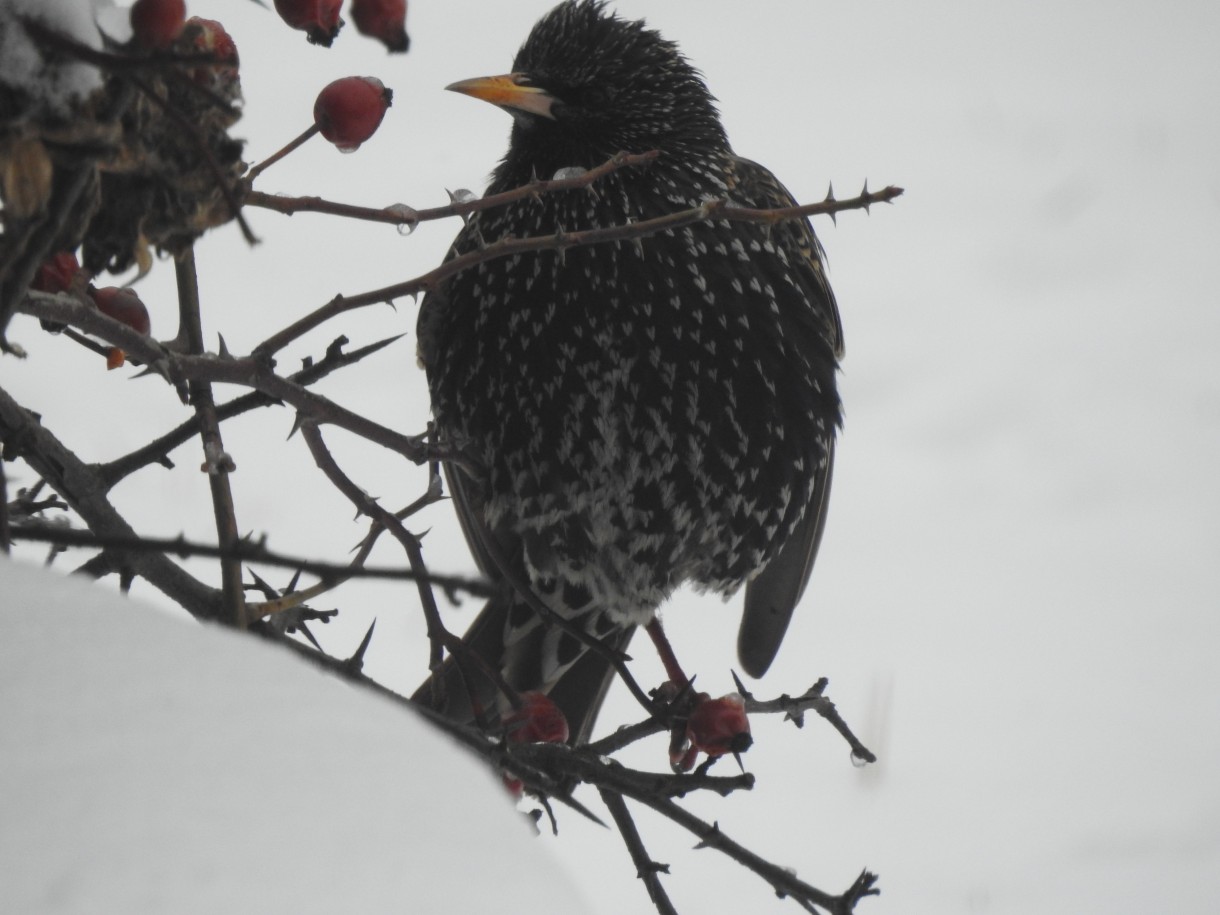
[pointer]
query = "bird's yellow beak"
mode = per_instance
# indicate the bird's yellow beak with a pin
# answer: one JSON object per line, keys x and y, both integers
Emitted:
{"x": 507, "y": 92}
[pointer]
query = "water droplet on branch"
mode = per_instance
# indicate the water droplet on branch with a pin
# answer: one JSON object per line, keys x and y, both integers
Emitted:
{"x": 409, "y": 217}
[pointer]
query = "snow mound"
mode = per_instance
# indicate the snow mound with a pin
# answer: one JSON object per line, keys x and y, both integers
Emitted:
{"x": 152, "y": 765}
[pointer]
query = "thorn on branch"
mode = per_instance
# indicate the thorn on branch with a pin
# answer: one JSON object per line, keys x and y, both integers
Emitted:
{"x": 356, "y": 661}
{"x": 709, "y": 837}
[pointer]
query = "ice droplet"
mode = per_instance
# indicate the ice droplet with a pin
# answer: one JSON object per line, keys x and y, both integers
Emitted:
{"x": 568, "y": 171}
{"x": 347, "y": 149}
{"x": 858, "y": 761}
{"x": 462, "y": 195}
{"x": 409, "y": 217}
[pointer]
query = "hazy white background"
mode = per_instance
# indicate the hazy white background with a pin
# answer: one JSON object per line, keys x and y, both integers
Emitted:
{"x": 1017, "y": 597}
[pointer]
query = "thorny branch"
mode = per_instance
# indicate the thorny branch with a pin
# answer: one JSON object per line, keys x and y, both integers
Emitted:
{"x": 249, "y": 371}
{"x": 555, "y": 769}
{"x": 549, "y": 770}
{"x": 645, "y": 868}
{"x": 216, "y": 461}
{"x": 157, "y": 451}
{"x": 438, "y": 636}
{"x": 396, "y": 215}
{"x": 794, "y": 709}
{"x": 244, "y": 550}
{"x": 713, "y": 209}
{"x": 83, "y": 489}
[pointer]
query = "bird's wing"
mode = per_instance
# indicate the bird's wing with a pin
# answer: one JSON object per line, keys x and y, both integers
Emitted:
{"x": 470, "y": 515}
{"x": 754, "y": 186}
{"x": 774, "y": 593}
{"x": 468, "y": 502}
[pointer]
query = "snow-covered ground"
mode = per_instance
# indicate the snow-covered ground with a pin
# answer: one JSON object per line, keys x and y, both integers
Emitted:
{"x": 1017, "y": 598}
{"x": 155, "y": 766}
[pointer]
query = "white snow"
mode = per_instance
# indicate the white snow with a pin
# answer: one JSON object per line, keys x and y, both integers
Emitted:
{"x": 53, "y": 81}
{"x": 151, "y": 765}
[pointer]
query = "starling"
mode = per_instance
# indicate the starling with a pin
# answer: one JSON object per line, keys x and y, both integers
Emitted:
{"x": 636, "y": 414}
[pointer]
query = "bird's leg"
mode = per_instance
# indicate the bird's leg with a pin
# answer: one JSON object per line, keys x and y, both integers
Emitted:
{"x": 668, "y": 659}
{"x": 680, "y": 698}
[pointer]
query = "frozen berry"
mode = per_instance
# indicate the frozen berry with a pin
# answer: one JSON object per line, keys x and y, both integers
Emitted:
{"x": 56, "y": 273}
{"x": 155, "y": 24}
{"x": 123, "y": 305}
{"x": 207, "y": 36}
{"x": 719, "y": 726}
{"x": 318, "y": 19}
{"x": 349, "y": 110}
{"x": 538, "y": 720}
{"x": 384, "y": 20}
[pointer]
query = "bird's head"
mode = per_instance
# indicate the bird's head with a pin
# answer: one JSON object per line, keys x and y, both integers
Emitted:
{"x": 587, "y": 84}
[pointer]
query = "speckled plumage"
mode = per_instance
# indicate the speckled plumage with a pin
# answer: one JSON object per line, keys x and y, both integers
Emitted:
{"x": 641, "y": 413}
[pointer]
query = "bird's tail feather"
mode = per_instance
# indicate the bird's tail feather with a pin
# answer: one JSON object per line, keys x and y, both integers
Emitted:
{"x": 579, "y": 688}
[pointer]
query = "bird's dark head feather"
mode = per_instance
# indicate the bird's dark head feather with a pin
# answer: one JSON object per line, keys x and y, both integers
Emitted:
{"x": 617, "y": 85}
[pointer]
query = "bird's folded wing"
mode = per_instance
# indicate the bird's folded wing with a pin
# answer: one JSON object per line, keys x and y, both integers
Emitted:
{"x": 774, "y": 593}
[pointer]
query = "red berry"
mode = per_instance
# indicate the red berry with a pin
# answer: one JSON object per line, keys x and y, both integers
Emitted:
{"x": 207, "y": 36}
{"x": 349, "y": 110}
{"x": 56, "y": 273}
{"x": 719, "y": 726}
{"x": 318, "y": 19}
{"x": 122, "y": 304}
{"x": 538, "y": 720}
{"x": 156, "y": 23}
{"x": 383, "y": 20}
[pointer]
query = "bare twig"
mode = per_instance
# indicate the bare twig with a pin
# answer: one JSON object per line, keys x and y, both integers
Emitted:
{"x": 627, "y": 735}
{"x": 645, "y": 868}
{"x": 551, "y": 767}
{"x": 216, "y": 462}
{"x": 245, "y": 550}
{"x": 573, "y": 765}
{"x": 393, "y": 215}
{"x": 157, "y": 450}
{"x": 438, "y": 635}
{"x": 253, "y": 372}
{"x": 712, "y": 209}
{"x": 275, "y": 157}
{"x": 782, "y": 880}
{"x": 366, "y": 505}
{"x": 794, "y": 708}
{"x": 83, "y": 489}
